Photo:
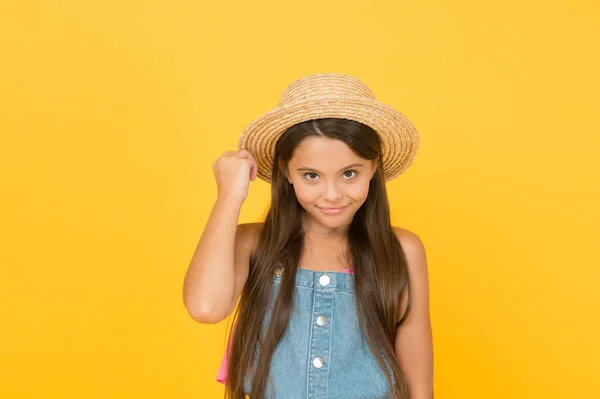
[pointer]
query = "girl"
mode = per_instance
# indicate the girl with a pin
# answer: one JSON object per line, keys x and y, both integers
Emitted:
{"x": 333, "y": 300}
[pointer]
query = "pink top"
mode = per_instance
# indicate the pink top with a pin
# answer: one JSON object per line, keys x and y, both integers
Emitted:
{"x": 222, "y": 373}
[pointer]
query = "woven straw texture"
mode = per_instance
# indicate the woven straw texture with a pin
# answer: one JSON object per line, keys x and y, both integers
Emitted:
{"x": 332, "y": 95}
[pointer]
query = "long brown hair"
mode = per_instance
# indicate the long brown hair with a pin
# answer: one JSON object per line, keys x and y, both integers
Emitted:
{"x": 379, "y": 262}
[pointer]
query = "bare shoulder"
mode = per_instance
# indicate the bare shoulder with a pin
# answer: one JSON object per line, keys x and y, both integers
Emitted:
{"x": 414, "y": 250}
{"x": 248, "y": 234}
{"x": 409, "y": 240}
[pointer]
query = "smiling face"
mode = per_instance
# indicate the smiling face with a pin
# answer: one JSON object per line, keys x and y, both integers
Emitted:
{"x": 330, "y": 181}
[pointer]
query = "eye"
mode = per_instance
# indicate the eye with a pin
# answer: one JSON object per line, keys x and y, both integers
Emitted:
{"x": 351, "y": 171}
{"x": 311, "y": 174}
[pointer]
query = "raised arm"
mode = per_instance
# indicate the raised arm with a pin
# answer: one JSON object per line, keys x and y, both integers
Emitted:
{"x": 219, "y": 265}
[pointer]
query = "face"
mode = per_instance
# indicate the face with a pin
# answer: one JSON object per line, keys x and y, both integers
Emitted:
{"x": 330, "y": 181}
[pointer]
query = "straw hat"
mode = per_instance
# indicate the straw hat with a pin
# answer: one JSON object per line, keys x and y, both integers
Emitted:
{"x": 332, "y": 95}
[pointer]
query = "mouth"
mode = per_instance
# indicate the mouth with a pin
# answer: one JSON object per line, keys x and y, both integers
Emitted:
{"x": 332, "y": 210}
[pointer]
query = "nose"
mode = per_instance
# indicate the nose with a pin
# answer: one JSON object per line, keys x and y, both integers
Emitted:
{"x": 332, "y": 192}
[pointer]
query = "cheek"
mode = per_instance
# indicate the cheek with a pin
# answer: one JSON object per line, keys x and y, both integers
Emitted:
{"x": 358, "y": 193}
{"x": 306, "y": 194}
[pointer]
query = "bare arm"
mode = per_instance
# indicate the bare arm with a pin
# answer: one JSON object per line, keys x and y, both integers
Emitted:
{"x": 219, "y": 266}
{"x": 414, "y": 343}
{"x": 208, "y": 287}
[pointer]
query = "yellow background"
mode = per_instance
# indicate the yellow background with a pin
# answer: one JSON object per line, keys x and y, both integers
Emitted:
{"x": 112, "y": 113}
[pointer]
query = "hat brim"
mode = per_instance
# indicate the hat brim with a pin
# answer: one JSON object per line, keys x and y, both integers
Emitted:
{"x": 399, "y": 138}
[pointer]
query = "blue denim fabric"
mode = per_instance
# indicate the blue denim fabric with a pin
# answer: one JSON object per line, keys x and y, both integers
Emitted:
{"x": 349, "y": 369}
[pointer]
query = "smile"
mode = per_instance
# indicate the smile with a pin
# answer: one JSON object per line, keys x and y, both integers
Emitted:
{"x": 332, "y": 211}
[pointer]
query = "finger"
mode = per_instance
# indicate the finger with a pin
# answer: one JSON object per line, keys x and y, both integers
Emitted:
{"x": 248, "y": 155}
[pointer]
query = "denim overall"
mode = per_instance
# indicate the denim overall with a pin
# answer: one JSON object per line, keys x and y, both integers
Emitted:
{"x": 323, "y": 354}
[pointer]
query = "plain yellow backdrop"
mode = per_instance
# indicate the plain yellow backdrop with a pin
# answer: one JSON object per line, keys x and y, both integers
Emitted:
{"x": 112, "y": 112}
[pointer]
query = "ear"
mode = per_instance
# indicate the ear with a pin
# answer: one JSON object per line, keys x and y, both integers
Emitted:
{"x": 375, "y": 166}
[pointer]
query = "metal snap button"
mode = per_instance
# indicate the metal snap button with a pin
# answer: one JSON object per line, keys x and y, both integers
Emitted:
{"x": 324, "y": 280}
{"x": 322, "y": 321}
{"x": 279, "y": 270}
{"x": 318, "y": 362}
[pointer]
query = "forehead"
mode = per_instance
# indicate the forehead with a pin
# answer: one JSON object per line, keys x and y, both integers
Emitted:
{"x": 323, "y": 153}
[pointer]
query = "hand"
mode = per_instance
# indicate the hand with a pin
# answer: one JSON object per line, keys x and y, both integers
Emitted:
{"x": 233, "y": 172}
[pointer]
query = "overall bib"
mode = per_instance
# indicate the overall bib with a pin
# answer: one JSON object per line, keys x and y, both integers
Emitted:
{"x": 323, "y": 354}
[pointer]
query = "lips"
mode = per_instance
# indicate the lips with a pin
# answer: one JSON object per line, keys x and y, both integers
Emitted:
{"x": 332, "y": 210}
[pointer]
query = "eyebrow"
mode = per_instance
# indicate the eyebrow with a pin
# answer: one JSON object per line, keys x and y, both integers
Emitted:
{"x": 305, "y": 168}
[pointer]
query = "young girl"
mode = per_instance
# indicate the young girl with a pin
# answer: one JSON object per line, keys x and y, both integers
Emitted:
{"x": 333, "y": 300}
